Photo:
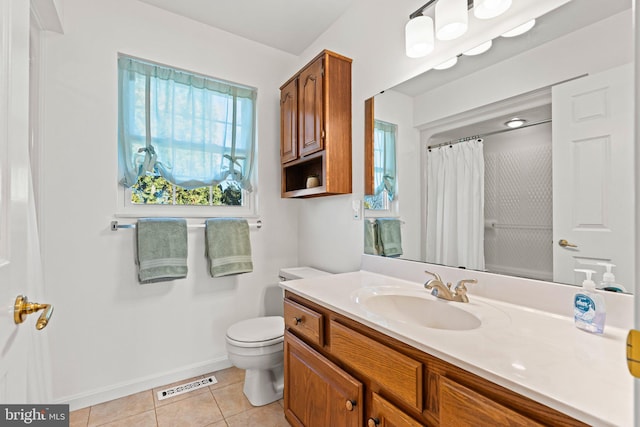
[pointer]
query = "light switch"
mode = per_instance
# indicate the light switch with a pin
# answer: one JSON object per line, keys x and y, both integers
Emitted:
{"x": 357, "y": 209}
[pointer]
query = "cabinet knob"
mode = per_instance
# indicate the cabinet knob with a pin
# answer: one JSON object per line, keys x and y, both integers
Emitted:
{"x": 373, "y": 422}
{"x": 349, "y": 404}
{"x": 297, "y": 320}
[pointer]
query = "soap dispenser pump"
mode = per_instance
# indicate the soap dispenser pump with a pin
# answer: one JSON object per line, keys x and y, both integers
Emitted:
{"x": 609, "y": 280}
{"x": 589, "y": 311}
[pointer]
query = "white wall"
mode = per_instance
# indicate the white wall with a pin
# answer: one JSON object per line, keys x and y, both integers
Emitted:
{"x": 109, "y": 335}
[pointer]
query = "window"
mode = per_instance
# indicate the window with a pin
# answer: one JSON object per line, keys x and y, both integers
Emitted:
{"x": 183, "y": 138}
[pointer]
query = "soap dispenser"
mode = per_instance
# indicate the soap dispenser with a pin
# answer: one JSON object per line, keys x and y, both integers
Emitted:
{"x": 609, "y": 280}
{"x": 589, "y": 311}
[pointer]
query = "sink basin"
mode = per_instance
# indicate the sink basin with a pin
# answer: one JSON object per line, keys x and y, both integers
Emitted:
{"x": 423, "y": 312}
{"x": 419, "y": 308}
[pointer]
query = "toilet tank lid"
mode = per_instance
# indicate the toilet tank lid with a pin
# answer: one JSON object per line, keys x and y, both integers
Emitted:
{"x": 258, "y": 329}
{"x": 294, "y": 273}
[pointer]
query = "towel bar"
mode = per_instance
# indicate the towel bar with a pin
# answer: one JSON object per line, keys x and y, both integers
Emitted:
{"x": 373, "y": 219}
{"x": 115, "y": 226}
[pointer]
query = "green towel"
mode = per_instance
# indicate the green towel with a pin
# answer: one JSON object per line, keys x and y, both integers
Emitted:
{"x": 371, "y": 238}
{"x": 227, "y": 246}
{"x": 389, "y": 237}
{"x": 161, "y": 249}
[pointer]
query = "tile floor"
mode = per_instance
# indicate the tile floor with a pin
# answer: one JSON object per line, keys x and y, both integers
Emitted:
{"x": 220, "y": 405}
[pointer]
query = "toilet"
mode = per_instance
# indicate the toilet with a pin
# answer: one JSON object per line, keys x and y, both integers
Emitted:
{"x": 257, "y": 345}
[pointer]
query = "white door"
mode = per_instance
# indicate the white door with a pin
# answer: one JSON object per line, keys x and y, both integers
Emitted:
{"x": 14, "y": 185}
{"x": 593, "y": 175}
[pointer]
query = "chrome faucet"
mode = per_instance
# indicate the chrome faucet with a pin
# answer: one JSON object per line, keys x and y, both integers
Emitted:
{"x": 438, "y": 289}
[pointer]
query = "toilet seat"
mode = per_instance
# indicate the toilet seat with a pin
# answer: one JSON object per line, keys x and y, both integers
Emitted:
{"x": 257, "y": 332}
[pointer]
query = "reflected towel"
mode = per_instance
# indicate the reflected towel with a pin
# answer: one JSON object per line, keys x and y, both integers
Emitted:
{"x": 389, "y": 237}
{"x": 227, "y": 246}
{"x": 161, "y": 249}
{"x": 371, "y": 238}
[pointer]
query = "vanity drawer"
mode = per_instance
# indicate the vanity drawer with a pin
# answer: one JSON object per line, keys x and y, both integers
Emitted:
{"x": 394, "y": 372}
{"x": 384, "y": 413}
{"x": 461, "y": 406}
{"x": 304, "y": 322}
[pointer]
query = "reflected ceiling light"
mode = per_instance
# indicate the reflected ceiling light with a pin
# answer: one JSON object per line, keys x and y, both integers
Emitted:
{"x": 419, "y": 40}
{"x": 521, "y": 29}
{"x": 452, "y": 19}
{"x": 515, "y": 122}
{"x": 447, "y": 64}
{"x": 487, "y": 9}
{"x": 479, "y": 49}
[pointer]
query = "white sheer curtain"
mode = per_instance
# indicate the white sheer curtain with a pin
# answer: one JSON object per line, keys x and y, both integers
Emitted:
{"x": 194, "y": 131}
{"x": 455, "y": 205}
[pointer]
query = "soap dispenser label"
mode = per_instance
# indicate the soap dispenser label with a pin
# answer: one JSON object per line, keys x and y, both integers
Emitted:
{"x": 585, "y": 308}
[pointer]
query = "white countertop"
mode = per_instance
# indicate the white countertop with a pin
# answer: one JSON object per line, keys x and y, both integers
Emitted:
{"x": 538, "y": 354}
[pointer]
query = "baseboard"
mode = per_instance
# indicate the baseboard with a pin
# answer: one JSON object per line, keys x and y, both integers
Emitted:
{"x": 101, "y": 395}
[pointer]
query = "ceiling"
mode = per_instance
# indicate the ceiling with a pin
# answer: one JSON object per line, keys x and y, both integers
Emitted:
{"x": 287, "y": 25}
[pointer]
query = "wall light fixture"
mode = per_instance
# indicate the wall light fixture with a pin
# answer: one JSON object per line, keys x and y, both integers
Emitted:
{"x": 451, "y": 21}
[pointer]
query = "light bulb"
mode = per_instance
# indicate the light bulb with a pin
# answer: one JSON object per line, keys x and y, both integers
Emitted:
{"x": 452, "y": 19}
{"x": 419, "y": 40}
{"x": 479, "y": 49}
{"x": 521, "y": 29}
{"x": 515, "y": 123}
{"x": 447, "y": 64}
{"x": 487, "y": 9}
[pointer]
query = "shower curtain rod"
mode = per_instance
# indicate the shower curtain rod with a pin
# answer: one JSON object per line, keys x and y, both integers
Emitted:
{"x": 469, "y": 138}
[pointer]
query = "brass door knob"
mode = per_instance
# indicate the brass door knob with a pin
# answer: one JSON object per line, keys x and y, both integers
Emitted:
{"x": 373, "y": 422}
{"x": 566, "y": 244}
{"x": 349, "y": 404}
{"x": 23, "y": 307}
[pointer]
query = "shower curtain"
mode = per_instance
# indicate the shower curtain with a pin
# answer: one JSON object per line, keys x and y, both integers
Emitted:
{"x": 455, "y": 205}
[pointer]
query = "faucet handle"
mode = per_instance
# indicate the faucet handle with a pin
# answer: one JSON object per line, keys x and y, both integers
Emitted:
{"x": 435, "y": 275}
{"x": 460, "y": 290}
{"x": 460, "y": 286}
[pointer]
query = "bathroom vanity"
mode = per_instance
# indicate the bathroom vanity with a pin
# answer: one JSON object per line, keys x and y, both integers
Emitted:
{"x": 366, "y": 349}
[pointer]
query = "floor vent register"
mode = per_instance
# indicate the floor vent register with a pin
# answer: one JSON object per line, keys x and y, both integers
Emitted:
{"x": 186, "y": 388}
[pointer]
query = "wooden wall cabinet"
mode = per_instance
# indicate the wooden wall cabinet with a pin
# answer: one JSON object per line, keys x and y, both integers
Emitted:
{"x": 359, "y": 376}
{"x": 315, "y": 128}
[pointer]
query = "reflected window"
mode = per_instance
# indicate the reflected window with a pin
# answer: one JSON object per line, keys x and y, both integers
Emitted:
{"x": 384, "y": 164}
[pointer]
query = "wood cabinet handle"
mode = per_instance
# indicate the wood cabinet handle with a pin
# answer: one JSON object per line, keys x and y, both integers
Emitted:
{"x": 349, "y": 404}
{"x": 297, "y": 320}
{"x": 373, "y": 422}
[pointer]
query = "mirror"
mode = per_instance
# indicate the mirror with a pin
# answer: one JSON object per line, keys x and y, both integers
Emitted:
{"x": 538, "y": 201}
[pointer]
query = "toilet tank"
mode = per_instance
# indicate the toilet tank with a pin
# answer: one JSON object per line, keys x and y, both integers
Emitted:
{"x": 273, "y": 293}
{"x": 294, "y": 273}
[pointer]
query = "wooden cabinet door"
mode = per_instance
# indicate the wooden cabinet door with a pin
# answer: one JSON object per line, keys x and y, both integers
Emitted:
{"x": 317, "y": 393}
{"x": 310, "y": 109}
{"x": 461, "y": 406}
{"x": 288, "y": 122}
{"x": 385, "y": 414}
